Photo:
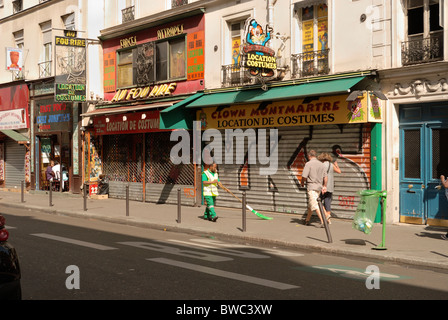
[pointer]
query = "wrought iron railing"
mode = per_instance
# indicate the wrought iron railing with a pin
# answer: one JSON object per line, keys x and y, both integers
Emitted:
{"x": 45, "y": 69}
{"x": 422, "y": 50}
{"x": 235, "y": 75}
{"x": 17, "y": 6}
{"x": 178, "y": 3}
{"x": 310, "y": 63}
{"x": 128, "y": 14}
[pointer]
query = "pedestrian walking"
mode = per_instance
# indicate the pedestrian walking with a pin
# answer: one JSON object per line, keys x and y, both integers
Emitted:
{"x": 445, "y": 185}
{"x": 210, "y": 180}
{"x": 315, "y": 177}
{"x": 330, "y": 167}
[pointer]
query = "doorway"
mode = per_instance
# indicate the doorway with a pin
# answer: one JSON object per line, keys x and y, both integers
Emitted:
{"x": 423, "y": 159}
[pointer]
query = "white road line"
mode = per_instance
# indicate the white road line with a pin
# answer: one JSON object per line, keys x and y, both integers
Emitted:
{"x": 9, "y": 227}
{"x": 225, "y": 274}
{"x": 74, "y": 241}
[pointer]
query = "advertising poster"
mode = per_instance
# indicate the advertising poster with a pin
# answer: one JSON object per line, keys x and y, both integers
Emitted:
{"x": 14, "y": 59}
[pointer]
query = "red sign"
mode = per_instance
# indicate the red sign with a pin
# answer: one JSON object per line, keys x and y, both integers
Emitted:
{"x": 139, "y": 122}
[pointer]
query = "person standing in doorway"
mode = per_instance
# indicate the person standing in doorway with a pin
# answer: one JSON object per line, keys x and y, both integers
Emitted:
{"x": 445, "y": 185}
{"x": 315, "y": 177}
{"x": 330, "y": 167}
{"x": 210, "y": 180}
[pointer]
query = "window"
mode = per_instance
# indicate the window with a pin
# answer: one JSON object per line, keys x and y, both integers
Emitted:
{"x": 424, "y": 33}
{"x": 17, "y": 6}
{"x": 69, "y": 21}
{"x": 136, "y": 66}
{"x": 125, "y": 72}
{"x": 312, "y": 39}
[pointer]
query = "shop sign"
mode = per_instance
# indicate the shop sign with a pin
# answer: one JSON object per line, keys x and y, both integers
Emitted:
{"x": 70, "y": 92}
{"x": 13, "y": 119}
{"x": 138, "y": 122}
{"x": 145, "y": 92}
{"x": 52, "y": 116}
{"x": 260, "y": 59}
{"x": 128, "y": 42}
{"x": 324, "y": 110}
{"x": 170, "y": 32}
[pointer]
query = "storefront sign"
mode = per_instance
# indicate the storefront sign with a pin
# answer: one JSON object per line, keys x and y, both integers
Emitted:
{"x": 325, "y": 110}
{"x": 195, "y": 55}
{"x": 70, "y": 92}
{"x": 128, "y": 42}
{"x": 52, "y": 116}
{"x": 13, "y": 119}
{"x": 138, "y": 122}
{"x": 170, "y": 32}
{"x": 145, "y": 92}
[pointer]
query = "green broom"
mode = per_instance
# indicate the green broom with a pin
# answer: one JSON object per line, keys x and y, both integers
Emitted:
{"x": 247, "y": 206}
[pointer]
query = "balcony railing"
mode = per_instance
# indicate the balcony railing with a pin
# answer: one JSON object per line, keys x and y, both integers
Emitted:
{"x": 178, "y": 3}
{"x": 45, "y": 69}
{"x": 128, "y": 14}
{"x": 17, "y": 6}
{"x": 235, "y": 75}
{"x": 422, "y": 50}
{"x": 310, "y": 63}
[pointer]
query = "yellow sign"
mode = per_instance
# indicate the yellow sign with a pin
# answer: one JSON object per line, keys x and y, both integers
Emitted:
{"x": 128, "y": 42}
{"x": 144, "y": 92}
{"x": 323, "y": 110}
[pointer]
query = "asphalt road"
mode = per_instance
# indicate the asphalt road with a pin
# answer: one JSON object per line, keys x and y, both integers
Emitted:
{"x": 65, "y": 258}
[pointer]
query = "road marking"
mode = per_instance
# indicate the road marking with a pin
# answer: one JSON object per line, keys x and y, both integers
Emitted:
{"x": 274, "y": 252}
{"x": 176, "y": 251}
{"x": 221, "y": 249}
{"x": 74, "y": 241}
{"x": 226, "y": 274}
{"x": 9, "y": 227}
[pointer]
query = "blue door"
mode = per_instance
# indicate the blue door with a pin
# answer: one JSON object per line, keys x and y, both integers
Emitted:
{"x": 423, "y": 159}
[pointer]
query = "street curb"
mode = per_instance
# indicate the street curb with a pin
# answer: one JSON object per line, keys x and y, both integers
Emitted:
{"x": 130, "y": 221}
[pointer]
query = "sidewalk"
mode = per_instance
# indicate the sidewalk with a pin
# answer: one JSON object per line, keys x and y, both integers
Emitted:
{"x": 409, "y": 244}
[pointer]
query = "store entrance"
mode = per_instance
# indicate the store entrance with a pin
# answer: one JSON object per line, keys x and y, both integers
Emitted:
{"x": 56, "y": 148}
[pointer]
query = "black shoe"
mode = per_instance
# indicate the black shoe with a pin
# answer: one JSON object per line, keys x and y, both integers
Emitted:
{"x": 444, "y": 237}
{"x": 214, "y": 219}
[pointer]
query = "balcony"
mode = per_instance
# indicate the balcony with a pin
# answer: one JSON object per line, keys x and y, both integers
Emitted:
{"x": 422, "y": 50}
{"x": 44, "y": 69}
{"x": 178, "y": 3}
{"x": 128, "y": 14}
{"x": 235, "y": 76}
{"x": 310, "y": 63}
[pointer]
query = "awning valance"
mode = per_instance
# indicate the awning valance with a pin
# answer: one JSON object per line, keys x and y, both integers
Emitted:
{"x": 328, "y": 87}
{"x": 124, "y": 109}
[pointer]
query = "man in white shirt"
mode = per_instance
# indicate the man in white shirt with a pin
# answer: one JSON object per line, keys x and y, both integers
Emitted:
{"x": 57, "y": 172}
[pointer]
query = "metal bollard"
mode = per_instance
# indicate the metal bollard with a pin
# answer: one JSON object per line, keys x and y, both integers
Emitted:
{"x": 22, "y": 196}
{"x": 179, "y": 206}
{"x": 51, "y": 194}
{"x": 84, "y": 196}
{"x": 324, "y": 219}
{"x": 244, "y": 211}
{"x": 127, "y": 200}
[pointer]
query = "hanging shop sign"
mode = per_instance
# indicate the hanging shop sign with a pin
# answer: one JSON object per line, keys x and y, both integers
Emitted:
{"x": 138, "y": 122}
{"x": 260, "y": 59}
{"x": 70, "y": 69}
{"x": 323, "y": 110}
{"x": 157, "y": 91}
{"x": 52, "y": 116}
{"x": 14, "y": 59}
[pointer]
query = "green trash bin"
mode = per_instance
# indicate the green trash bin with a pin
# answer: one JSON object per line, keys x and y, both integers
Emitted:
{"x": 366, "y": 211}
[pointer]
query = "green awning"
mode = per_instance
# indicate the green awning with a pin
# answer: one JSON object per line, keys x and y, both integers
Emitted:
{"x": 176, "y": 117}
{"x": 16, "y": 136}
{"x": 328, "y": 87}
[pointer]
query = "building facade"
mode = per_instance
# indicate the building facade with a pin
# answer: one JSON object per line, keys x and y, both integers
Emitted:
{"x": 51, "y": 41}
